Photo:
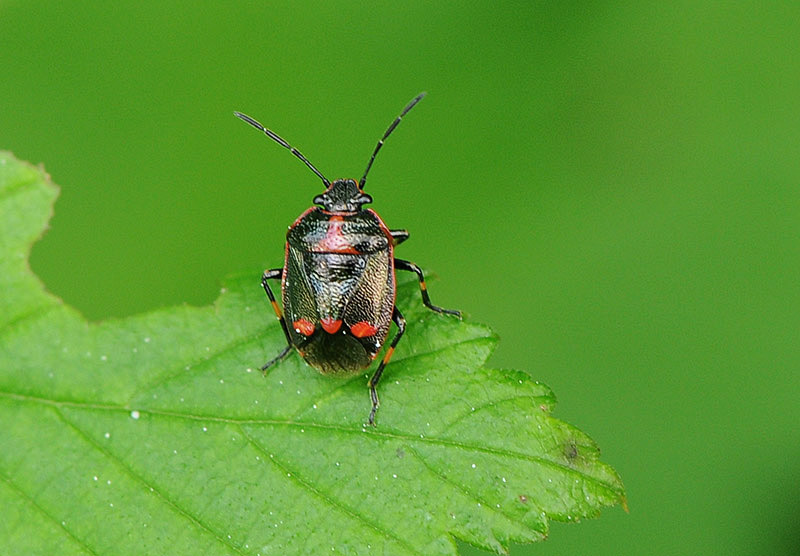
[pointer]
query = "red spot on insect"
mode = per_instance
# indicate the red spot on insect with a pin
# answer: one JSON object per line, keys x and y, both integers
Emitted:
{"x": 363, "y": 329}
{"x": 331, "y": 326}
{"x": 303, "y": 327}
{"x": 334, "y": 240}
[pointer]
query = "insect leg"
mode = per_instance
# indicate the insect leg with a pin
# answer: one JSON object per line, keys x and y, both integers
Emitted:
{"x": 398, "y": 319}
{"x": 400, "y": 264}
{"x": 399, "y": 236}
{"x": 275, "y": 274}
{"x": 284, "y": 352}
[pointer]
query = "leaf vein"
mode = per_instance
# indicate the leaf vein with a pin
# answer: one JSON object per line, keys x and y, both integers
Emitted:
{"x": 33, "y": 314}
{"x": 149, "y": 488}
{"x": 45, "y": 513}
{"x": 323, "y": 496}
{"x": 173, "y": 374}
{"x": 475, "y": 409}
{"x": 16, "y": 188}
{"x": 346, "y": 382}
{"x": 441, "y": 476}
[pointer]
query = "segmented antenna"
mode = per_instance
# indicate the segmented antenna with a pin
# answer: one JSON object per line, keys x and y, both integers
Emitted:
{"x": 283, "y": 143}
{"x": 396, "y": 121}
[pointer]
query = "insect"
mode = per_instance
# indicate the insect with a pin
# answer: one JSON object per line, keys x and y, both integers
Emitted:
{"x": 338, "y": 278}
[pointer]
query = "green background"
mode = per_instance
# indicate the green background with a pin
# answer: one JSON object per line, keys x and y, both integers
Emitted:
{"x": 615, "y": 188}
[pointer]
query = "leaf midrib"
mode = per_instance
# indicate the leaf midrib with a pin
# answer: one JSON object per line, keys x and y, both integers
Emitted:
{"x": 329, "y": 427}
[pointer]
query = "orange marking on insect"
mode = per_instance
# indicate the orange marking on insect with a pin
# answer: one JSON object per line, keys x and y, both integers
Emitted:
{"x": 422, "y": 285}
{"x": 363, "y": 329}
{"x": 388, "y": 355}
{"x": 334, "y": 240}
{"x": 331, "y": 326}
{"x": 304, "y": 327}
{"x": 276, "y": 308}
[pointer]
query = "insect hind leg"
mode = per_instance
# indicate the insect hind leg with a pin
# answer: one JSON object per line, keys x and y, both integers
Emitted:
{"x": 400, "y": 321}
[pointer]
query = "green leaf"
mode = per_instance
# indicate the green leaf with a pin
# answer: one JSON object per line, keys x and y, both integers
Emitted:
{"x": 158, "y": 434}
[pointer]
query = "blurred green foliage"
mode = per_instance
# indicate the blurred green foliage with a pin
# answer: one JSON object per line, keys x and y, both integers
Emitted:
{"x": 614, "y": 187}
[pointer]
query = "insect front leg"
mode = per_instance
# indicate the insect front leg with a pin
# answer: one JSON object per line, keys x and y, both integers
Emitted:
{"x": 400, "y": 264}
{"x": 275, "y": 274}
{"x": 398, "y": 319}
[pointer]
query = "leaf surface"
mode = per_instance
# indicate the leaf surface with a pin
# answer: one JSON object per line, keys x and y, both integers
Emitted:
{"x": 157, "y": 434}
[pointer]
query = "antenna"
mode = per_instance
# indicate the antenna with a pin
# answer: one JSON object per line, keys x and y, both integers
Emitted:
{"x": 396, "y": 121}
{"x": 295, "y": 152}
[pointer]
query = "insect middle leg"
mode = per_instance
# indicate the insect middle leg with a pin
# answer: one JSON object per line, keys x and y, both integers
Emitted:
{"x": 275, "y": 274}
{"x": 399, "y": 236}
{"x": 398, "y": 319}
{"x": 401, "y": 264}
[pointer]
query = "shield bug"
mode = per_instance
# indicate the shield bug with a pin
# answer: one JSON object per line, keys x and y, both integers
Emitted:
{"x": 338, "y": 278}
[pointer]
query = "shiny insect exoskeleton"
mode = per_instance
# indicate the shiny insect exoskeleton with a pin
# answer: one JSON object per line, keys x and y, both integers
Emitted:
{"x": 338, "y": 277}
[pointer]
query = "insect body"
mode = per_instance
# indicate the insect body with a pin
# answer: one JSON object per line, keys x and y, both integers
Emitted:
{"x": 338, "y": 278}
